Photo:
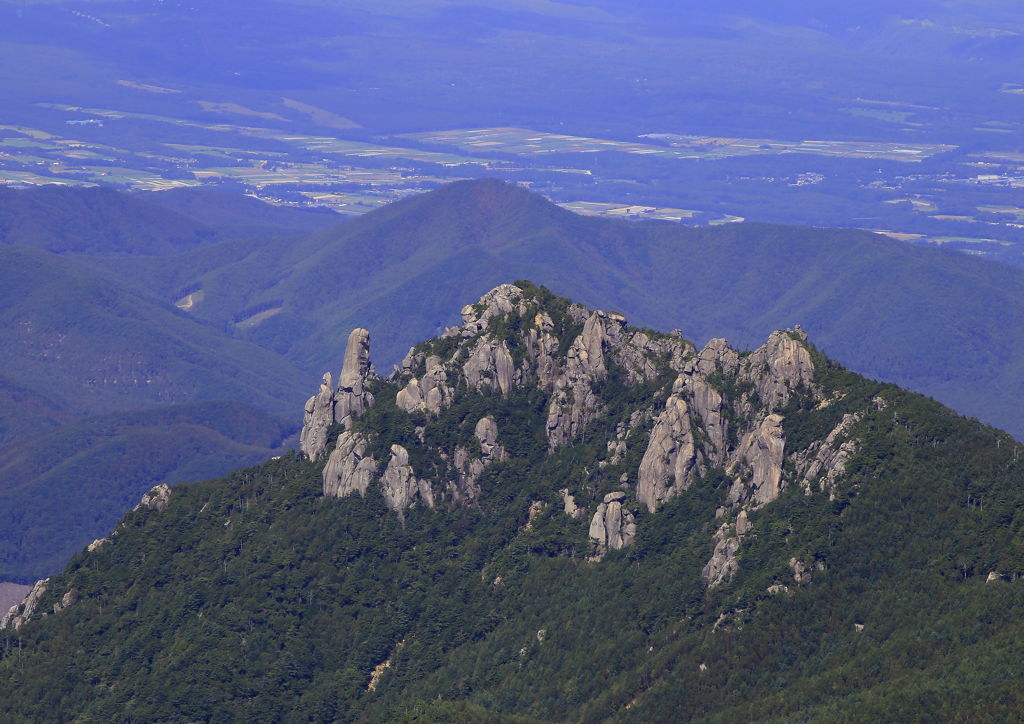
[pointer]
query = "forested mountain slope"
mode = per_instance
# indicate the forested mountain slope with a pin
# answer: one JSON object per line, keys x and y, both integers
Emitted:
{"x": 99, "y": 394}
{"x": 64, "y": 489}
{"x": 549, "y": 514}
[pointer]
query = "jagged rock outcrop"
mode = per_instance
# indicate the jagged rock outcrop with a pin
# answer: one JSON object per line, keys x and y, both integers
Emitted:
{"x": 20, "y": 613}
{"x": 801, "y": 572}
{"x": 319, "y": 416}
{"x": 158, "y": 498}
{"x": 400, "y": 485}
{"x": 779, "y": 366}
{"x": 723, "y": 564}
{"x": 468, "y": 468}
{"x": 328, "y": 406}
{"x": 613, "y": 527}
{"x": 97, "y": 544}
{"x": 352, "y": 398}
{"x": 706, "y": 405}
{"x": 824, "y": 461}
{"x": 758, "y": 464}
{"x": 721, "y": 412}
{"x": 574, "y": 403}
{"x": 569, "y": 506}
{"x": 541, "y": 347}
{"x": 503, "y": 299}
{"x": 671, "y": 457}
{"x": 430, "y": 394}
{"x": 349, "y": 469}
{"x": 718, "y": 357}
{"x": 69, "y": 599}
{"x": 636, "y": 352}
{"x": 490, "y": 367}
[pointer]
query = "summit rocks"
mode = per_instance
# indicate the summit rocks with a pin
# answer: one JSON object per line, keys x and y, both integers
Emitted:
{"x": 341, "y": 406}
{"x": 668, "y": 415}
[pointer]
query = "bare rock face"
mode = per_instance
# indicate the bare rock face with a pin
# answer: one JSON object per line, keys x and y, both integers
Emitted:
{"x": 569, "y": 506}
{"x": 68, "y": 600}
{"x": 490, "y": 367}
{"x": 723, "y": 564}
{"x": 779, "y": 366}
{"x": 613, "y": 527}
{"x": 500, "y": 300}
{"x": 706, "y": 405}
{"x": 468, "y": 469}
{"x": 486, "y": 431}
{"x": 158, "y": 498}
{"x": 761, "y": 453}
{"x": 634, "y": 351}
{"x": 541, "y": 347}
{"x": 431, "y": 394}
{"x": 825, "y": 460}
{"x": 348, "y": 469}
{"x": 801, "y": 573}
{"x": 352, "y": 398}
{"x": 718, "y": 357}
{"x": 721, "y": 413}
{"x": 410, "y": 397}
{"x": 671, "y": 457}
{"x": 319, "y": 415}
{"x": 400, "y": 486}
{"x": 573, "y": 404}
{"x": 20, "y": 613}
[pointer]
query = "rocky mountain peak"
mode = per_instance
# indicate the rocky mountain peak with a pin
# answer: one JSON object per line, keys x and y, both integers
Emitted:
{"x": 673, "y": 415}
{"x": 340, "y": 406}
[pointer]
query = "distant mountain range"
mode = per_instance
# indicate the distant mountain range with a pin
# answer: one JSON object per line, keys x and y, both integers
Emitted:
{"x": 93, "y": 329}
{"x": 939, "y": 322}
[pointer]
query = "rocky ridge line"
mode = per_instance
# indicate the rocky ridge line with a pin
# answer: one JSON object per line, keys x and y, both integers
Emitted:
{"x": 724, "y": 411}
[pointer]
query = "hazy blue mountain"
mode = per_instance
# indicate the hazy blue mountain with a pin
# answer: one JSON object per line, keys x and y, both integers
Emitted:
{"x": 96, "y": 221}
{"x": 89, "y": 342}
{"x": 939, "y": 322}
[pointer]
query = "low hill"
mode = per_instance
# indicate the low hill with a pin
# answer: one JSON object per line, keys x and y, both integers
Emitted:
{"x": 235, "y": 214}
{"x": 96, "y": 220}
{"x": 549, "y": 515}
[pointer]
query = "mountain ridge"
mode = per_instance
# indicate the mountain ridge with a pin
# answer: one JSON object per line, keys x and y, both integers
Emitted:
{"x": 503, "y": 557}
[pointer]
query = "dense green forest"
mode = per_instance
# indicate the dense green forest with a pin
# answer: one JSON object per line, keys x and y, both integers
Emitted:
{"x": 256, "y": 598}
